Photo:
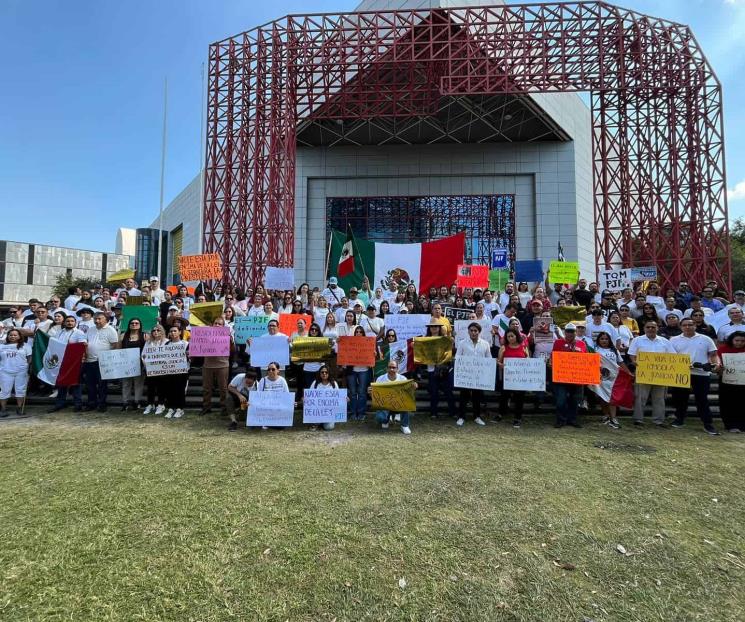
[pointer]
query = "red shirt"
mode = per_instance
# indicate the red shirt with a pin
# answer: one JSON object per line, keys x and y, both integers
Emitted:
{"x": 515, "y": 353}
{"x": 561, "y": 345}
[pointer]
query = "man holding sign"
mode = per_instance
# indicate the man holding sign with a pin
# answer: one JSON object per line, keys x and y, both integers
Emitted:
{"x": 473, "y": 346}
{"x": 383, "y": 417}
{"x": 650, "y": 341}
{"x": 568, "y": 396}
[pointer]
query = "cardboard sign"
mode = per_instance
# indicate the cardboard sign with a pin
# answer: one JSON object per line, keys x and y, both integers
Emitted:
{"x": 475, "y": 372}
{"x": 310, "y": 349}
{"x": 210, "y": 341}
{"x": 199, "y": 267}
{"x": 279, "y": 278}
{"x": 324, "y": 405}
{"x": 271, "y": 408}
{"x": 148, "y": 317}
{"x": 663, "y": 369}
{"x": 134, "y": 300}
{"x": 524, "y": 374}
{"x": 543, "y": 330}
{"x": 615, "y": 280}
{"x": 165, "y": 360}
{"x": 396, "y": 396}
{"x": 563, "y": 315}
{"x": 407, "y": 325}
{"x": 288, "y": 322}
{"x": 734, "y": 369}
{"x": 269, "y": 349}
{"x": 204, "y": 313}
{"x": 433, "y": 350}
{"x": 499, "y": 258}
{"x": 498, "y": 279}
{"x": 575, "y": 368}
{"x": 451, "y": 313}
{"x": 647, "y": 273}
{"x": 563, "y": 272}
{"x": 359, "y": 351}
{"x": 247, "y": 327}
{"x": 124, "y": 363}
{"x": 473, "y": 276}
{"x": 530, "y": 270}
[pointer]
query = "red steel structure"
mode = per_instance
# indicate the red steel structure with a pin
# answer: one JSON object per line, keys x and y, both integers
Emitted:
{"x": 658, "y": 142}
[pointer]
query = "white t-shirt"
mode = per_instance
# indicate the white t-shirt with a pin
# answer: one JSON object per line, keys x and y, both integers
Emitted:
{"x": 254, "y": 310}
{"x": 70, "y": 302}
{"x": 698, "y": 347}
{"x": 491, "y": 308}
{"x": 385, "y": 378}
{"x": 100, "y": 340}
{"x": 642, "y": 343}
{"x": 593, "y": 329}
{"x": 726, "y": 330}
{"x": 611, "y": 355}
{"x": 72, "y": 336}
{"x": 239, "y": 385}
{"x": 14, "y": 359}
{"x": 280, "y": 384}
{"x": 333, "y": 296}
{"x": 372, "y": 326}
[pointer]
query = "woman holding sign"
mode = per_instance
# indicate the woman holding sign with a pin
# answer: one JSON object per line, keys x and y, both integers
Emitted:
{"x": 731, "y": 387}
{"x": 324, "y": 381}
{"x": 156, "y": 385}
{"x": 605, "y": 348}
{"x": 176, "y": 383}
{"x": 515, "y": 347}
{"x": 358, "y": 379}
{"x": 439, "y": 376}
{"x": 132, "y": 388}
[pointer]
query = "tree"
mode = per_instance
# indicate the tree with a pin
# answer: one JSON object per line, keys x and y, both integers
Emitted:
{"x": 737, "y": 246}
{"x": 65, "y": 281}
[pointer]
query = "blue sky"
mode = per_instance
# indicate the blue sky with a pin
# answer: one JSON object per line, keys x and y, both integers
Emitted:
{"x": 81, "y": 104}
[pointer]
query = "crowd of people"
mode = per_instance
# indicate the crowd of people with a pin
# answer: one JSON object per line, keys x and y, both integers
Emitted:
{"x": 618, "y": 325}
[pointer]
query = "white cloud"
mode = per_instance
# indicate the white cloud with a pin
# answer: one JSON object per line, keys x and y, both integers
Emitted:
{"x": 738, "y": 192}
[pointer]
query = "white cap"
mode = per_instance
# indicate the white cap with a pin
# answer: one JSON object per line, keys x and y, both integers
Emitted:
{"x": 570, "y": 326}
{"x": 154, "y": 278}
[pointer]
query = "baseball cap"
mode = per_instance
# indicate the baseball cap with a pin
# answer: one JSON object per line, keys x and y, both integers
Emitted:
{"x": 570, "y": 326}
{"x": 154, "y": 278}
{"x": 333, "y": 280}
{"x": 173, "y": 308}
{"x": 739, "y": 292}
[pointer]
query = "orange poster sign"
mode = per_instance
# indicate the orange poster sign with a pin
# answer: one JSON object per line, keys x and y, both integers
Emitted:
{"x": 200, "y": 267}
{"x": 288, "y": 322}
{"x": 575, "y": 367}
{"x": 356, "y": 351}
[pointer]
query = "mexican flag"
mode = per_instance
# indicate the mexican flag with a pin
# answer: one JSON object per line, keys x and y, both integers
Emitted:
{"x": 55, "y": 362}
{"x": 616, "y": 386}
{"x": 401, "y": 351}
{"x": 425, "y": 264}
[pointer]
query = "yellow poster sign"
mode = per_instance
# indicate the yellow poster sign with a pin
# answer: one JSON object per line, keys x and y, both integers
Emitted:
{"x": 563, "y": 315}
{"x": 662, "y": 369}
{"x": 433, "y": 350}
{"x": 396, "y": 396}
{"x": 204, "y": 313}
{"x": 310, "y": 349}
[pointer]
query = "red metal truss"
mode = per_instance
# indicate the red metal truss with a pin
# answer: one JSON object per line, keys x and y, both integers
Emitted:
{"x": 658, "y": 142}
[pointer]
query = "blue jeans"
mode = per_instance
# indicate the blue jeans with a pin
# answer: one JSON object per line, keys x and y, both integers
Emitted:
{"x": 97, "y": 389}
{"x": 382, "y": 416}
{"x": 357, "y": 383}
{"x": 437, "y": 384}
{"x": 568, "y": 397}
{"x": 75, "y": 391}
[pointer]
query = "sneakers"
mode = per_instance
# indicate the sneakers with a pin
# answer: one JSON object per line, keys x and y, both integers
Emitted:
{"x": 710, "y": 429}
{"x": 734, "y": 430}
{"x": 677, "y": 423}
{"x": 460, "y": 422}
{"x": 397, "y": 418}
{"x": 148, "y": 409}
{"x": 53, "y": 394}
{"x": 516, "y": 424}
{"x": 159, "y": 410}
{"x": 639, "y": 424}
{"x": 613, "y": 423}
{"x": 169, "y": 414}
{"x": 233, "y": 427}
{"x": 178, "y": 414}
{"x": 479, "y": 421}
{"x": 264, "y": 427}
{"x": 405, "y": 429}
{"x": 3, "y": 413}
{"x": 384, "y": 426}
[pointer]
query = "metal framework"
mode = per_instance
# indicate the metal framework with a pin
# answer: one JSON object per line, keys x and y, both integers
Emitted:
{"x": 658, "y": 145}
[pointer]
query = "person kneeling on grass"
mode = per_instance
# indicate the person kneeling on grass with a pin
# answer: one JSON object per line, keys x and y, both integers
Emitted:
{"x": 383, "y": 417}
{"x": 239, "y": 389}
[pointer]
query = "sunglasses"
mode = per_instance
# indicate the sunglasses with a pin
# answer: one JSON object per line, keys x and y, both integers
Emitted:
{"x": 271, "y": 369}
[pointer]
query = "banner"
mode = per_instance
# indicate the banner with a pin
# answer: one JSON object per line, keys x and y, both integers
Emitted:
{"x": 433, "y": 350}
{"x": 499, "y": 258}
{"x": 210, "y": 341}
{"x": 498, "y": 279}
{"x": 473, "y": 276}
{"x": 475, "y": 372}
{"x": 204, "y": 313}
{"x": 271, "y": 408}
{"x": 563, "y": 272}
{"x": 247, "y": 327}
{"x": 407, "y": 325}
{"x": 121, "y": 276}
{"x": 647, "y": 273}
{"x": 396, "y": 396}
{"x": 663, "y": 369}
{"x": 279, "y": 278}
{"x": 124, "y": 363}
{"x": 451, "y": 313}
{"x": 310, "y": 349}
{"x": 134, "y": 300}
{"x": 199, "y": 267}
{"x": 575, "y": 368}
{"x": 270, "y": 349}
{"x": 563, "y": 315}
{"x": 170, "y": 358}
{"x": 615, "y": 280}
{"x": 734, "y": 369}
{"x": 524, "y": 374}
{"x": 148, "y": 317}
{"x": 288, "y": 322}
{"x": 529, "y": 270}
{"x": 359, "y": 351}
{"x": 324, "y": 405}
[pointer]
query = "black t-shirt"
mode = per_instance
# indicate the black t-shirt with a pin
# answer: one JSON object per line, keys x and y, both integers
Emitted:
{"x": 583, "y": 297}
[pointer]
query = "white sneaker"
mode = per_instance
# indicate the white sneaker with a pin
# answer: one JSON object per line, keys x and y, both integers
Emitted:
{"x": 53, "y": 393}
{"x": 264, "y": 427}
{"x": 397, "y": 418}
{"x": 159, "y": 410}
{"x": 384, "y": 426}
{"x": 405, "y": 429}
{"x": 178, "y": 414}
{"x": 169, "y": 414}
{"x": 148, "y": 409}
{"x": 460, "y": 422}
{"x": 479, "y": 421}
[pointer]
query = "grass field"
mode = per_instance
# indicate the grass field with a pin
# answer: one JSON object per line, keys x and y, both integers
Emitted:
{"x": 135, "y": 518}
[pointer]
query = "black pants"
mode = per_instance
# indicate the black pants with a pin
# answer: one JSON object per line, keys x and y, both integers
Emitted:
{"x": 156, "y": 389}
{"x": 517, "y": 397}
{"x": 475, "y": 396}
{"x": 732, "y": 406}
{"x": 176, "y": 390}
{"x": 700, "y": 388}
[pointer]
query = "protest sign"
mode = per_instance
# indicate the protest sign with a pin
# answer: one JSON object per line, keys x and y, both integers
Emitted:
{"x": 524, "y": 374}
{"x": 499, "y": 258}
{"x": 663, "y": 369}
{"x": 563, "y": 315}
{"x": 472, "y": 276}
{"x": 121, "y": 276}
{"x": 647, "y": 273}
{"x": 359, "y": 351}
{"x": 204, "y": 313}
{"x": 575, "y": 368}
{"x": 279, "y": 278}
{"x": 270, "y": 349}
{"x": 148, "y": 317}
{"x": 563, "y": 272}
{"x": 407, "y": 325}
{"x": 734, "y": 368}
{"x": 246, "y": 327}
{"x": 498, "y": 279}
{"x": 451, "y": 313}
{"x": 124, "y": 363}
{"x": 209, "y": 341}
{"x": 475, "y": 372}
{"x": 170, "y": 358}
{"x": 529, "y": 270}
{"x": 135, "y": 300}
{"x": 198, "y": 267}
{"x": 271, "y": 408}
{"x": 432, "y": 350}
{"x": 460, "y": 328}
{"x": 310, "y": 349}
{"x": 615, "y": 280}
{"x": 543, "y": 330}
{"x": 396, "y": 396}
{"x": 718, "y": 319}
{"x": 324, "y": 405}
{"x": 288, "y": 322}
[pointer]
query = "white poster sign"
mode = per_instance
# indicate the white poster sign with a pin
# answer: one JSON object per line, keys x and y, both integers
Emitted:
{"x": 734, "y": 368}
{"x": 270, "y": 349}
{"x": 167, "y": 359}
{"x": 270, "y": 408}
{"x": 646, "y": 273}
{"x": 115, "y": 364}
{"x": 525, "y": 374}
{"x": 324, "y": 406}
{"x": 279, "y": 278}
{"x": 475, "y": 372}
{"x": 461, "y": 329}
{"x": 407, "y": 325}
{"x": 615, "y": 280}
{"x": 718, "y": 319}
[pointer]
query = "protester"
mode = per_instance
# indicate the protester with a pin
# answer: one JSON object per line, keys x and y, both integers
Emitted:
{"x": 175, "y": 384}
{"x": 440, "y": 377}
{"x": 70, "y": 334}
{"x": 215, "y": 372}
{"x": 514, "y": 347}
{"x": 568, "y": 396}
{"x": 358, "y": 379}
{"x": 15, "y": 356}
{"x": 385, "y": 417}
{"x": 240, "y": 389}
{"x": 132, "y": 388}
{"x": 731, "y": 394}
{"x": 650, "y": 341}
{"x": 473, "y": 346}
{"x": 101, "y": 338}
{"x": 324, "y": 380}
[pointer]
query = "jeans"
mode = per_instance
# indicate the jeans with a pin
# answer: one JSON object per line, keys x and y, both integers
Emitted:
{"x": 357, "y": 383}
{"x": 642, "y": 394}
{"x": 475, "y": 395}
{"x": 75, "y": 391}
{"x": 382, "y": 416}
{"x": 568, "y": 397}
{"x": 700, "y": 388}
{"x": 97, "y": 389}
{"x": 438, "y": 383}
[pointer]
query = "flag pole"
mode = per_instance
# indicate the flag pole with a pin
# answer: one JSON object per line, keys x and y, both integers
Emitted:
{"x": 328, "y": 256}
{"x": 159, "y": 270}
{"x": 357, "y": 253}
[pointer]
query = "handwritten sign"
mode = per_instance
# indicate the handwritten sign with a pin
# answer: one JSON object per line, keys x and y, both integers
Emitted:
{"x": 246, "y": 327}
{"x": 646, "y": 273}
{"x": 734, "y": 369}
{"x": 123, "y": 363}
{"x": 663, "y": 369}
{"x": 524, "y": 374}
{"x": 563, "y": 272}
{"x": 198, "y": 267}
{"x": 204, "y": 313}
{"x": 407, "y": 325}
{"x": 359, "y": 351}
{"x": 475, "y": 372}
{"x": 615, "y": 280}
{"x": 288, "y": 322}
{"x": 170, "y": 358}
{"x": 473, "y": 276}
{"x": 279, "y": 278}
{"x": 270, "y": 349}
{"x": 210, "y": 341}
{"x": 310, "y": 349}
{"x": 271, "y": 408}
{"x": 324, "y": 405}
{"x": 396, "y": 396}
{"x": 453, "y": 314}
{"x": 575, "y": 368}
{"x": 433, "y": 350}
{"x": 148, "y": 317}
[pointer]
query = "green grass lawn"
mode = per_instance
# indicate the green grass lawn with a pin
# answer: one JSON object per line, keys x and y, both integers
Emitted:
{"x": 137, "y": 518}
